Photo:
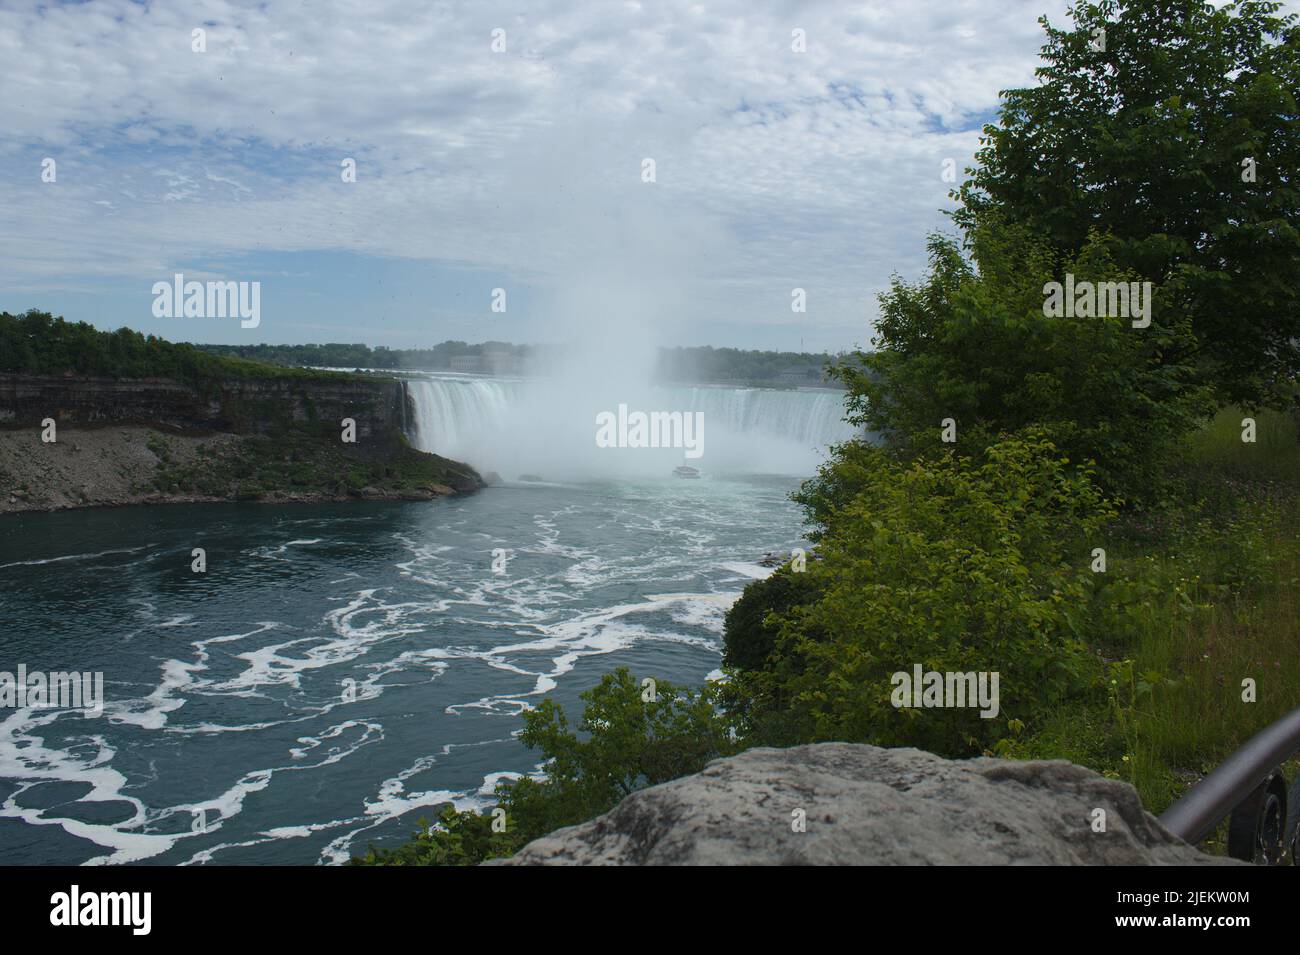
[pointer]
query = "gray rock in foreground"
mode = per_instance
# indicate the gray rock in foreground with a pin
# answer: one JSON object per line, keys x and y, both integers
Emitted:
{"x": 870, "y": 806}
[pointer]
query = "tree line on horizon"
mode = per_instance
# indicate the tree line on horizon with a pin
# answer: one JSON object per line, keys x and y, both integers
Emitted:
{"x": 37, "y": 342}
{"x": 704, "y": 363}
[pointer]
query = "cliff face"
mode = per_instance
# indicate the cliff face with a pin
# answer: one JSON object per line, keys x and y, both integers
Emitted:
{"x": 272, "y": 439}
{"x": 849, "y": 804}
{"x": 245, "y": 406}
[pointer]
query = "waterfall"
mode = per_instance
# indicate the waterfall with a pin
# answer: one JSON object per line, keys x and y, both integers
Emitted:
{"x": 814, "y": 418}
{"x": 547, "y": 427}
{"x": 461, "y": 418}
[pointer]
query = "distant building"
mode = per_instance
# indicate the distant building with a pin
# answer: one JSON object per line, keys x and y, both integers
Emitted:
{"x": 500, "y": 360}
{"x": 493, "y": 361}
{"x": 467, "y": 364}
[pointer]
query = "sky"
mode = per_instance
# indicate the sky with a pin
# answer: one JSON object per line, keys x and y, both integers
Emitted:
{"x": 522, "y": 169}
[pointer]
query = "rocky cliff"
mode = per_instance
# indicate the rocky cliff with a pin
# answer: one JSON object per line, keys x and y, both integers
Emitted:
{"x": 847, "y": 804}
{"x": 273, "y": 438}
{"x": 244, "y": 405}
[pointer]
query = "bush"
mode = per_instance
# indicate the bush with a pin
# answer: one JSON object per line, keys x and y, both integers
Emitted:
{"x": 749, "y": 636}
{"x": 958, "y": 564}
{"x": 458, "y": 838}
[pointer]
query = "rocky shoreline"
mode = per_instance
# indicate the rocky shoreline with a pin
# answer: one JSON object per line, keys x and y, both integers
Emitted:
{"x": 122, "y": 465}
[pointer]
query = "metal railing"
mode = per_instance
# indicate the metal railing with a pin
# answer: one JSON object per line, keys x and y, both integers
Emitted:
{"x": 1251, "y": 786}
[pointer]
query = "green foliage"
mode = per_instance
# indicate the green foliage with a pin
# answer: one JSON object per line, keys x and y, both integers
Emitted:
{"x": 37, "y": 343}
{"x": 304, "y": 459}
{"x": 1144, "y": 140}
{"x": 971, "y": 342}
{"x": 626, "y": 740}
{"x": 355, "y": 355}
{"x": 710, "y": 364}
{"x": 762, "y": 667}
{"x": 750, "y": 637}
{"x": 459, "y": 838}
{"x": 1217, "y": 460}
{"x": 955, "y": 563}
{"x": 1192, "y": 603}
{"x": 160, "y": 448}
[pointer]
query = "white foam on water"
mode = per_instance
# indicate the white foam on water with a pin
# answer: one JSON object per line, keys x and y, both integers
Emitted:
{"x": 71, "y": 557}
{"x": 751, "y": 570}
{"x": 25, "y": 758}
{"x": 275, "y": 553}
{"x": 393, "y": 800}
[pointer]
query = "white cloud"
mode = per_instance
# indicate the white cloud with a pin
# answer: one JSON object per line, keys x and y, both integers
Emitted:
{"x": 775, "y": 169}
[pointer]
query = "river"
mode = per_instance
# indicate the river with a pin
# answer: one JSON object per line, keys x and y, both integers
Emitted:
{"x": 339, "y": 670}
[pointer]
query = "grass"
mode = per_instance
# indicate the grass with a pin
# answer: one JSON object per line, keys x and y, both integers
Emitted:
{"x": 1198, "y": 599}
{"x": 1274, "y": 457}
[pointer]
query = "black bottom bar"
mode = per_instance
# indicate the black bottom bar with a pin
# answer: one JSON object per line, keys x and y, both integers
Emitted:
{"x": 219, "y": 904}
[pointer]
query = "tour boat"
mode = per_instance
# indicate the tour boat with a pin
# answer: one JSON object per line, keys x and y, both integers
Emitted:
{"x": 686, "y": 471}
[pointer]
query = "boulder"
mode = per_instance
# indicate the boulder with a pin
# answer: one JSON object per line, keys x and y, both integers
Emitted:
{"x": 849, "y": 804}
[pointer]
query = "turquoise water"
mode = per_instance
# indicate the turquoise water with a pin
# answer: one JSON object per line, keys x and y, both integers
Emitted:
{"x": 228, "y": 733}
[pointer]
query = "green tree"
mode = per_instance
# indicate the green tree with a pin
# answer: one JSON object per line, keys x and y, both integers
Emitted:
{"x": 37, "y": 343}
{"x": 1144, "y": 114}
{"x": 970, "y": 342}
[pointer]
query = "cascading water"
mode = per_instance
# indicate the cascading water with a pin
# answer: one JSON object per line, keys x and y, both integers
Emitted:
{"x": 544, "y": 427}
{"x": 811, "y": 418}
{"x": 461, "y": 418}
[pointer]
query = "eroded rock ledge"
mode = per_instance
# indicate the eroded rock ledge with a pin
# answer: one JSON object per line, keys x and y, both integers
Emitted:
{"x": 869, "y": 806}
{"x": 275, "y": 439}
{"x": 136, "y": 464}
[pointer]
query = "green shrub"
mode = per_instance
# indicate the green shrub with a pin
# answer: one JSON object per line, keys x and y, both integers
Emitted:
{"x": 458, "y": 838}
{"x": 1146, "y": 139}
{"x": 957, "y": 564}
{"x": 749, "y": 636}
